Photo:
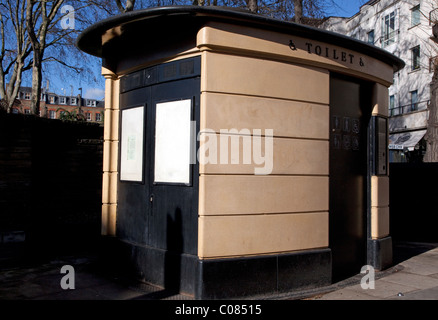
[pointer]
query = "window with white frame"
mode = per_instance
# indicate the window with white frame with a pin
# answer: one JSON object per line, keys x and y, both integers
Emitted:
{"x": 415, "y": 16}
{"x": 391, "y": 102}
{"x": 414, "y": 100}
{"x": 27, "y": 95}
{"x": 52, "y": 99}
{"x": 371, "y": 37}
{"x": 73, "y": 101}
{"x": 91, "y": 103}
{"x": 98, "y": 117}
{"x": 88, "y": 116}
{"x": 62, "y": 100}
{"x": 389, "y": 29}
{"x": 52, "y": 114}
{"x": 415, "y": 51}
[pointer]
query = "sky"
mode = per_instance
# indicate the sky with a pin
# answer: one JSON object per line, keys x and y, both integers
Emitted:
{"x": 345, "y": 8}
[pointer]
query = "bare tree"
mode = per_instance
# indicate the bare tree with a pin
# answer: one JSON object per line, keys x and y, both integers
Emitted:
{"x": 252, "y": 5}
{"x": 298, "y": 9}
{"x": 36, "y": 11}
{"x": 128, "y": 7}
{"x": 432, "y": 122}
{"x": 13, "y": 54}
{"x": 431, "y": 136}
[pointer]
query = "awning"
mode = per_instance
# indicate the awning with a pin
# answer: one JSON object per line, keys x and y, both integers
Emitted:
{"x": 400, "y": 141}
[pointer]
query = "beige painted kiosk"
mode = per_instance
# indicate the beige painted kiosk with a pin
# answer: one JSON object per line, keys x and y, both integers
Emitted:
{"x": 243, "y": 155}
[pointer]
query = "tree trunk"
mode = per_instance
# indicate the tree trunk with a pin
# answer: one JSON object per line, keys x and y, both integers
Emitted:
{"x": 298, "y": 8}
{"x": 432, "y": 123}
{"x": 252, "y": 5}
{"x": 36, "y": 82}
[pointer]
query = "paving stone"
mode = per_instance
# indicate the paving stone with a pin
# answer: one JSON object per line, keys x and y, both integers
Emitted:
{"x": 412, "y": 280}
{"x": 418, "y": 267}
{"x": 347, "y": 294}
{"x": 427, "y": 294}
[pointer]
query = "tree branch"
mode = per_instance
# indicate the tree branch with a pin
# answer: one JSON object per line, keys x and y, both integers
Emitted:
{"x": 120, "y": 6}
{"x": 53, "y": 59}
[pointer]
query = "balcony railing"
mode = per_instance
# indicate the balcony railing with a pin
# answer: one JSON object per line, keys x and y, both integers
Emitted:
{"x": 409, "y": 108}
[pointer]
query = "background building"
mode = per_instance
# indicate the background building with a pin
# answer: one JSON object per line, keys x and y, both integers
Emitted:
{"x": 403, "y": 28}
{"x": 55, "y": 106}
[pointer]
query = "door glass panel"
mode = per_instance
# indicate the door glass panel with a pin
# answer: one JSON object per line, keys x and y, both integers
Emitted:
{"x": 172, "y": 142}
{"x": 131, "y": 153}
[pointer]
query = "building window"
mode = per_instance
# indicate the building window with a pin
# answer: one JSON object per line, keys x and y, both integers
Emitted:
{"x": 61, "y": 100}
{"x": 91, "y": 103}
{"x": 43, "y": 97}
{"x": 371, "y": 37}
{"x": 415, "y": 58}
{"x": 26, "y": 111}
{"x": 27, "y": 95}
{"x": 15, "y": 111}
{"x": 52, "y": 99}
{"x": 73, "y": 101}
{"x": 414, "y": 100}
{"x": 415, "y": 16}
{"x": 52, "y": 114}
{"x": 391, "y": 102}
{"x": 88, "y": 116}
{"x": 98, "y": 117}
{"x": 392, "y": 105}
{"x": 389, "y": 29}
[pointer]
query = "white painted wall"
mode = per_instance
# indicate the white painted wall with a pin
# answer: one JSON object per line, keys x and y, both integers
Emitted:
{"x": 371, "y": 17}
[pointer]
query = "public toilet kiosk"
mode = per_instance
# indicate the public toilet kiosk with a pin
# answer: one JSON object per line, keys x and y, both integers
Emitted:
{"x": 243, "y": 155}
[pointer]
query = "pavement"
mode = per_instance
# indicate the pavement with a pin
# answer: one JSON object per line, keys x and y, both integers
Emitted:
{"x": 413, "y": 277}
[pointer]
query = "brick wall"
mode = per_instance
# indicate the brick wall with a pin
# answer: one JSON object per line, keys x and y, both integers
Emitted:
{"x": 50, "y": 180}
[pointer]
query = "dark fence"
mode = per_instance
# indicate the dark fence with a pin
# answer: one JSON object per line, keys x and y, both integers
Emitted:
{"x": 413, "y": 201}
{"x": 50, "y": 181}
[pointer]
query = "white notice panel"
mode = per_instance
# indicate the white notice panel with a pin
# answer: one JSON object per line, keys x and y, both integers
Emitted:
{"x": 172, "y": 142}
{"x": 131, "y": 152}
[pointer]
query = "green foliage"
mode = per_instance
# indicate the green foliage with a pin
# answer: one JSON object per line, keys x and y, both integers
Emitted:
{"x": 74, "y": 115}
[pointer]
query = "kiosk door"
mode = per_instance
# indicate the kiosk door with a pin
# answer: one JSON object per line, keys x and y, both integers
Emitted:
{"x": 349, "y": 116}
{"x": 158, "y": 187}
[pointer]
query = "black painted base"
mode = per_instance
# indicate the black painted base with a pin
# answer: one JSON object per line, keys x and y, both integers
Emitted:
{"x": 162, "y": 268}
{"x": 263, "y": 275}
{"x": 242, "y": 277}
{"x": 380, "y": 253}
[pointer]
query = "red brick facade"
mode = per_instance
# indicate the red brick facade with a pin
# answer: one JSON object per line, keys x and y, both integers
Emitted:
{"x": 53, "y": 106}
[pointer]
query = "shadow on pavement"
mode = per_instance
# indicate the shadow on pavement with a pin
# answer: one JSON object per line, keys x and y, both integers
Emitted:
{"x": 403, "y": 250}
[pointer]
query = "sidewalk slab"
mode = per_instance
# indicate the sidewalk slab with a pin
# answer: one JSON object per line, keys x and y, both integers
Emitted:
{"x": 412, "y": 280}
{"x": 346, "y": 294}
{"x": 427, "y": 294}
{"x": 420, "y": 266}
